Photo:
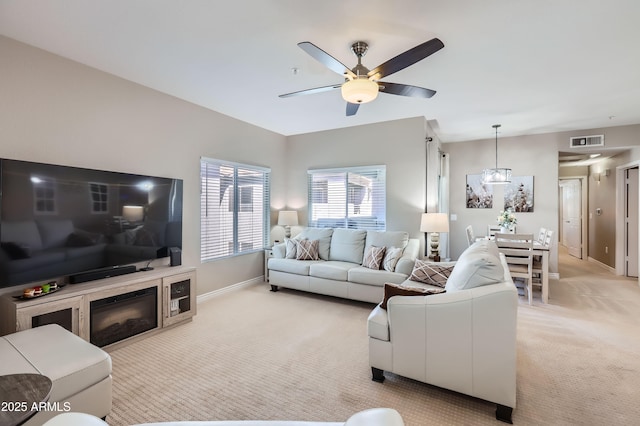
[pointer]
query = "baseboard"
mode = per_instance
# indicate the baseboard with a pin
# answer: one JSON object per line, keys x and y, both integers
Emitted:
{"x": 233, "y": 287}
{"x": 605, "y": 266}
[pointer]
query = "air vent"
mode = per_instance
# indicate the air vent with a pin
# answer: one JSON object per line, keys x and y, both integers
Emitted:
{"x": 584, "y": 141}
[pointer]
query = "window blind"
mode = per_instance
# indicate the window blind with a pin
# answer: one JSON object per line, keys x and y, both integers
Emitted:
{"x": 353, "y": 197}
{"x": 234, "y": 208}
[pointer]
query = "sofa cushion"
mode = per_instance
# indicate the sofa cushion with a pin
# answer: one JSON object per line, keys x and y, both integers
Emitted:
{"x": 391, "y": 290}
{"x": 323, "y": 235}
{"x": 331, "y": 269}
{"x": 434, "y": 273}
{"x": 24, "y": 233}
{"x": 347, "y": 245}
{"x": 54, "y": 233}
{"x": 391, "y": 257}
{"x": 477, "y": 266}
{"x": 307, "y": 250}
{"x": 386, "y": 239}
{"x": 292, "y": 266}
{"x": 362, "y": 275}
{"x": 373, "y": 257}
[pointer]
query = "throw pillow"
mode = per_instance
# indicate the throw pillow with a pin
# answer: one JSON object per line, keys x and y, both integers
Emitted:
{"x": 431, "y": 273}
{"x": 291, "y": 249}
{"x": 307, "y": 250}
{"x": 15, "y": 251}
{"x": 391, "y": 290}
{"x": 391, "y": 257}
{"x": 373, "y": 257}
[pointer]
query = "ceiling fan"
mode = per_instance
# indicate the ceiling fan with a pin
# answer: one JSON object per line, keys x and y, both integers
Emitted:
{"x": 362, "y": 85}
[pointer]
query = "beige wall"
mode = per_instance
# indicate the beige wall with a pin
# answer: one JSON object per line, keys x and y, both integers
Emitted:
{"x": 57, "y": 111}
{"x": 535, "y": 155}
{"x": 400, "y": 145}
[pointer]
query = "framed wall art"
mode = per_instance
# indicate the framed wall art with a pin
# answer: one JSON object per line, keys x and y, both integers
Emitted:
{"x": 518, "y": 195}
{"x": 479, "y": 195}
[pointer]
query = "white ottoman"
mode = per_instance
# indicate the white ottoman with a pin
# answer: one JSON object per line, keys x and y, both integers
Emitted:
{"x": 80, "y": 371}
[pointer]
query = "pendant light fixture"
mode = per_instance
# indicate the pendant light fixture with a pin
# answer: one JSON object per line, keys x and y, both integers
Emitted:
{"x": 496, "y": 176}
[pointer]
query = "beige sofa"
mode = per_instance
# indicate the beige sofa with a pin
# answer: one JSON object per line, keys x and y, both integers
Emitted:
{"x": 80, "y": 371}
{"x": 463, "y": 340}
{"x": 339, "y": 270}
{"x": 371, "y": 417}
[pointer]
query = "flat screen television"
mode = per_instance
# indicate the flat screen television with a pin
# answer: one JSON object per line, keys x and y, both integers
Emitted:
{"x": 59, "y": 221}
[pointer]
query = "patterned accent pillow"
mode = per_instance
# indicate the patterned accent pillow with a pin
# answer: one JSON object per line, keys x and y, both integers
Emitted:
{"x": 308, "y": 250}
{"x": 291, "y": 249}
{"x": 391, "y": 258}
{"x": 391, "y": 290}
{"x": 431, "y": 273}
{"x": 373, "y": 257}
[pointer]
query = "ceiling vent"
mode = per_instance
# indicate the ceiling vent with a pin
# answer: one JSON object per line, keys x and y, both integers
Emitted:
{"x": 586, "y": 141}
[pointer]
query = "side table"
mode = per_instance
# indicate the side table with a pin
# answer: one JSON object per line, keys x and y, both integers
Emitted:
{"x": 19, "y": 393}
{"x": 268, "y": 254}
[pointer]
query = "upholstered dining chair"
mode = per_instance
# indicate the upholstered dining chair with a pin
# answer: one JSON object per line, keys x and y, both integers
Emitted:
{"x": 518, "y": 251}
{"x": 470, "y": 237}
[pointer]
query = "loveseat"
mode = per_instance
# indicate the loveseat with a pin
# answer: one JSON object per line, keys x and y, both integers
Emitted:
{"x": 463, "y": 339}
{"x": 371, "y": 417}
{"x": 339, "y": 269}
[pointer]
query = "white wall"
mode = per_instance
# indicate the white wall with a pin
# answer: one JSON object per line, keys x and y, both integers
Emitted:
{"x": 400, "y": 145}
{"x": 53, "y": 110}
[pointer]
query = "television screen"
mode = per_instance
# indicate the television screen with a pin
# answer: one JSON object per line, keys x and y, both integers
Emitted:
{"x": 56, "y": 221}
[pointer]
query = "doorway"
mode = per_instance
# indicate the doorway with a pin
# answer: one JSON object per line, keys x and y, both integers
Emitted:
{"x": 572, "y": 224}
{"x": 631, "y": 204}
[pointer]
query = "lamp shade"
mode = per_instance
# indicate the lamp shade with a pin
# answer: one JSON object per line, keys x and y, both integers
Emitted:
{"x": 288, "y": 218}
{"x": 359, "y": 91}
{"x": 434, "y": 222}
{"x": 133, "y": 213}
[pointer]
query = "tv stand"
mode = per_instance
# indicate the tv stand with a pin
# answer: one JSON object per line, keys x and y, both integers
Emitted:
{"x": 71, "y": 305}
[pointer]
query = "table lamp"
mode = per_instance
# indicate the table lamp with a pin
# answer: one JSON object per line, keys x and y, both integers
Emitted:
{"x": 287, "y": 218}
{"x": 434, "y": 223}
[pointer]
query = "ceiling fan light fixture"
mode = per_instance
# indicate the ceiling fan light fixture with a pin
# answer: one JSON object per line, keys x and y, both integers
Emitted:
{"x": 359, "y": 90}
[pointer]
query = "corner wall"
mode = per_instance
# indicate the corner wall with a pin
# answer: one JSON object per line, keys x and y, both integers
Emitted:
{"x": 54, "y": 110}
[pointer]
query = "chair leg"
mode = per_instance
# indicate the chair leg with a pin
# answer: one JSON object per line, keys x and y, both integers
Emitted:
{"x": 378, "y": 375}
{"x": 503, "y": 413}
{"x": 530, "y": 290}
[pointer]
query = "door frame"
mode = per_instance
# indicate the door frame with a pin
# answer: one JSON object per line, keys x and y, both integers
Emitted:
{"x": 584, "y": 218}
{"x": 620, "y": 199}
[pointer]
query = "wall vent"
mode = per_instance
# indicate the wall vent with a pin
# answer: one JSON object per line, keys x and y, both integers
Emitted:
{"x": 585, "y": 141}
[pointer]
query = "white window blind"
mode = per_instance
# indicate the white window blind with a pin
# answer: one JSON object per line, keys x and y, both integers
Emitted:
{"x": 234, "y": 208}
{"x": 353, "y": 197}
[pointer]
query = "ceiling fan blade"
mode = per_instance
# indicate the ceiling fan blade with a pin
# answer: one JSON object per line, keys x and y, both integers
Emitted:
{"x": 405, "y": 59}
{"x": 352, "y": 109}
{"x": 325, "y": 59}
{"x": 405, "y": 90}
{"x": 311, "y": 91}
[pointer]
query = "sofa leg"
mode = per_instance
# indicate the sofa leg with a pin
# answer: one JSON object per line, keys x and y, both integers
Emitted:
{"x": 274, "y": 287}
{"x": 503, "y": 413}
{"x": 378, "y": 375}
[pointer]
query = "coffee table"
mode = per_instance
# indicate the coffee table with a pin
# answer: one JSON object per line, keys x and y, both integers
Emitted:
{"x": 18, "y": 393}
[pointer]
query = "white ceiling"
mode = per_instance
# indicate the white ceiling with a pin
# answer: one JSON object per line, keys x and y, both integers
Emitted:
{"x": 533, "y": 66}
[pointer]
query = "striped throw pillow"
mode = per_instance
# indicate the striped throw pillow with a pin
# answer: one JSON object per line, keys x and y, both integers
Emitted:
{"x": 431, "y": 273}
{"x": 308, "y": 250}
{"x": 373, "y": 257}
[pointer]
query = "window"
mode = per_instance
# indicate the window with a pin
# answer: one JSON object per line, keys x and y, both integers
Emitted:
{"x": 99, "y": 197}
{"x": 234, "y": 208}
{"x": 353, "y": 197}
{"x": 44, "y": 195}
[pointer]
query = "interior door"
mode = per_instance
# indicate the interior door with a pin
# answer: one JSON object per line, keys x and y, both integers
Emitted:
{"x": 572, "y": 216}
{"x": 631, "y": 223}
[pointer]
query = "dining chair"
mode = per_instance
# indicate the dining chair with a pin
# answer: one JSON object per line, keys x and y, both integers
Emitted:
{"x": 470, "y": 237}
{"x": 518, "y": 253}
{"x": 492, "y": 230}
{"x": 542, "y": 235}
{"x": 537, "y": 260}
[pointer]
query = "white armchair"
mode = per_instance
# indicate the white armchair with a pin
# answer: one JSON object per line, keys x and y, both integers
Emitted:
{"x": 463, "y": 340}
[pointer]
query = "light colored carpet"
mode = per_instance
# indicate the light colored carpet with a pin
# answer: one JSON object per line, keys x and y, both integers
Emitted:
{"x": 254, "y": 354}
